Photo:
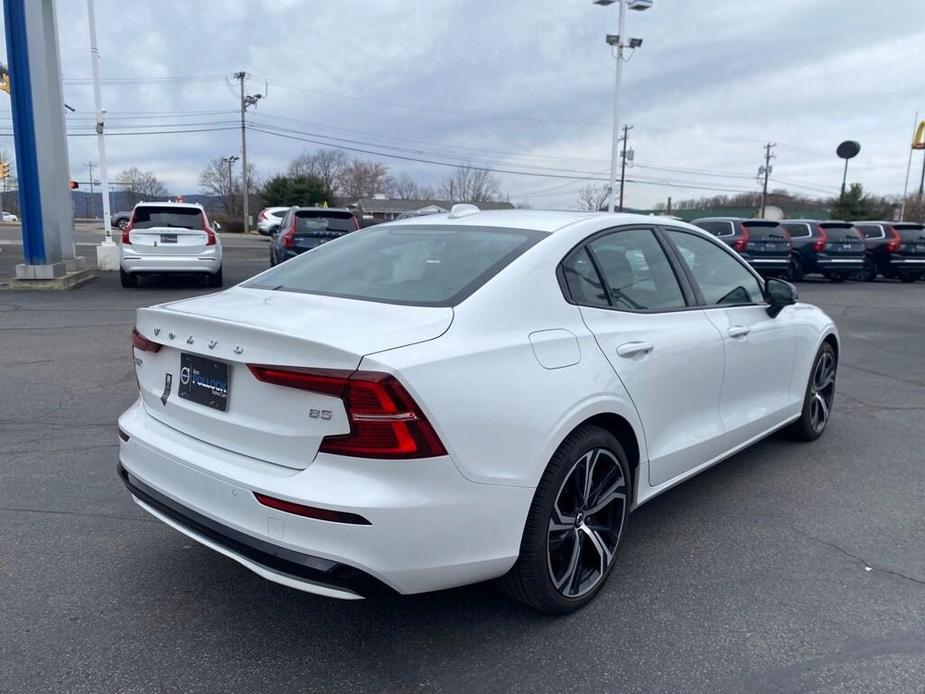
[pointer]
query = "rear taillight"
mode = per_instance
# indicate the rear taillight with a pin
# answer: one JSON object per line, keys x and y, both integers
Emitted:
{"x": 289, "y": 235}
{"x": 210, "y": 234}
{"x": 356, "y": 224}
{"x": 740, "y": 243}
{"x": 126, "y": 241}
{"x": 819, "y": 243}
{"x": 895, "y": 241}
{"x": 139, "y": 341}
{"x": 262, "y": 215}
{"x": 385, "y": 422}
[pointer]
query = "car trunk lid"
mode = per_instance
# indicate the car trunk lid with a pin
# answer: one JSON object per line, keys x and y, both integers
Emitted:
{"x": 208, "y": 342}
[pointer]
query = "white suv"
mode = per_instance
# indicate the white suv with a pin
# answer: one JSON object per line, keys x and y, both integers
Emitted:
{"x": 169, "y": 237}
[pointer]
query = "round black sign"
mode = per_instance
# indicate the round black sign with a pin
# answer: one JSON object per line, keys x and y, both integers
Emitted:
{"x": 848, "y": 149}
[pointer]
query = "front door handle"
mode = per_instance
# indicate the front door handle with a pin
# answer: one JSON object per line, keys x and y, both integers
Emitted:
{"x": 631, "y": 349}
{"x": 737, "y": 331}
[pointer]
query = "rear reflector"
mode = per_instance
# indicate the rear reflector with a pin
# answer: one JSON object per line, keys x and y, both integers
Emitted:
{"x": 310, "y": 511}
{"x": 385, "y": 422}
{"x": 139, "y": 341}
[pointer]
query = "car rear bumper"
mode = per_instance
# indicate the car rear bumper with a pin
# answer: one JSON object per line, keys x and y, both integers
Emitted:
{"x": 207, "y": 261}
{"x": 429, "y": 527}
{"x": 903, "y": 265}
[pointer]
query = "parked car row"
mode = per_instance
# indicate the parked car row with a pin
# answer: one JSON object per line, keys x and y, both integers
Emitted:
{"x": 795, "y": 248}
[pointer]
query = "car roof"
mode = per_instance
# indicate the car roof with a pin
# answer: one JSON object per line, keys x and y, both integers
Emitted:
{"x": 539, "y": 220}
{"x": 169, "y": 203}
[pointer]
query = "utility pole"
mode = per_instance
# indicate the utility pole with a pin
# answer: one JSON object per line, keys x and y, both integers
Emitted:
{"x": 668, "y": 209}
{"x": 765, "y": 171}
{"x": 230, "y": 160}
{"x": 626, "y": 131}
{"x": 246, "y": 100}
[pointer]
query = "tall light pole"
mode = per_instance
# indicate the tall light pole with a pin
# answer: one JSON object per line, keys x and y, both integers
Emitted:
{"x": 619, "y": 42}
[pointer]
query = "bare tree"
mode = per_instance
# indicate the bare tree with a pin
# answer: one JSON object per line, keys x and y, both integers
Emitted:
{"x": 364, "y": 179}
{"x": 140, "y": 185}
{"x": 593, "y": 197}
{"x": 327, "y": 165}
{"x": 221, "y": 181}
{"x": 471, "y": 185}
{"x": 406, "y": 188}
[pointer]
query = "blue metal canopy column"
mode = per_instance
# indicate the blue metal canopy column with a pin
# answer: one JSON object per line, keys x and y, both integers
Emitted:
{"x": 40, "y": 140}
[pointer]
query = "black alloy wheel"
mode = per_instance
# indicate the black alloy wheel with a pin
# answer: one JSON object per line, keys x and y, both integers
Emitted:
{"x": 575, "y": 525}
{"x": 820, "y": 396}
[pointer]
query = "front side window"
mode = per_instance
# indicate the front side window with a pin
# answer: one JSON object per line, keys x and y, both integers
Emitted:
{"x": 636, "y": 271}
{"x": 410, "y": 265}
{"x": 723, "y": 279}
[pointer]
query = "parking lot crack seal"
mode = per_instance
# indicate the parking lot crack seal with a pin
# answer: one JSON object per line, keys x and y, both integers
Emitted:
{"x": 855, "y": 557}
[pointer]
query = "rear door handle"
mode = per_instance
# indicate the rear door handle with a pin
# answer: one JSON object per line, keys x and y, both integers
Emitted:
{"x": 738, "y": 331}
{"x": 631, "y": 349}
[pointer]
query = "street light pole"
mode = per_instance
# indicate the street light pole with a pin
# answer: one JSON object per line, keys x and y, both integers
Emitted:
{"x": 619, "y": 42}
{"x": 230, "y": 160}
{"x": 615, "y": 146}
{"x": 100, "y": 140}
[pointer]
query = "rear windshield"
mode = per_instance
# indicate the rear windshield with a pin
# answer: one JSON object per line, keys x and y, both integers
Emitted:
{"x": 764, "y": 230}
{"x": 840, "y": 232}
{"x": 910, "y": 232}
{"x": 314, "y": 221}
{"x": 716, "y": 228}
{"x": 797, "y": 230}
{"x": 149, "y": 217}
{"x": 411, "y": 265}
{"x": 871, "y": 231}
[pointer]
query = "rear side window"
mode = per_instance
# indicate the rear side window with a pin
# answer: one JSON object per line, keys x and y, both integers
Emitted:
{"x": 404, "y": 264}
{"x": 636, "y": 271}
{"x": 308, "y": 221}
{"x": 584, "y": 284}
{"x": 151, "y": 216}
{"x": 718, "y": 228}
{"x": 798, "y": 230}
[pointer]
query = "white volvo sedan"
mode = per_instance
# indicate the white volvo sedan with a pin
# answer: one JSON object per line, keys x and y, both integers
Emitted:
{"x": 455, "y": 398}
{"x": 168, "y": 238}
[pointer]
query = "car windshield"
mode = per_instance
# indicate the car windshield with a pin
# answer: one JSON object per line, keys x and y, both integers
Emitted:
{"x": 308, "y": 221}
{"x": 410, "y": 265}
{"x": 150, "y": 217}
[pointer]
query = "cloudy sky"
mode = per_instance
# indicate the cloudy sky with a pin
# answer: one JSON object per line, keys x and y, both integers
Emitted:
{"x": 521, "y": 86}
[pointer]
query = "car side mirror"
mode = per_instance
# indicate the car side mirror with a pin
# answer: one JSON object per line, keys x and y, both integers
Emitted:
{"x": 779, "y": 294}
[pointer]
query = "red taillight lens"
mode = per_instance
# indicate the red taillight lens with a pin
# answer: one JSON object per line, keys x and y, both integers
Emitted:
{"x": 210, "y": 234}
{"x": 385, "y": 422}
{"x": 356, "y": 224}
{"x": 311, "y": 511}
{"x": 126, "y": 241}
{"x": 895, "y": 241}
{"x": 289, "y": 235}
{"x": 819, "y": 244}
{"x": 263, "y": 215}
{"x": 139, "y": 341}
{"x": 740, "y": 243}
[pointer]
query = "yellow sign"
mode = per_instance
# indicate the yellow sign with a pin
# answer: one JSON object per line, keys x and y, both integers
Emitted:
{"x": 918, "y": 142}
{"x": 4, "y": 169}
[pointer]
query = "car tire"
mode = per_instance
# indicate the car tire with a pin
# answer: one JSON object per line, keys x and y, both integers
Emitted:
{"x": 128, "y": 279}
{"x": 122, "y": 224}
{"x": 795, "y": 271}
{"x": 565, "y": 560}
{"x": 819, "y": 397}
{"x": 215, "y": 280}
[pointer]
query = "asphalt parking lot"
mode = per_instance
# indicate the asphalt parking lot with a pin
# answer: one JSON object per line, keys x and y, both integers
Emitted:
{"x": 788, "y": 568}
